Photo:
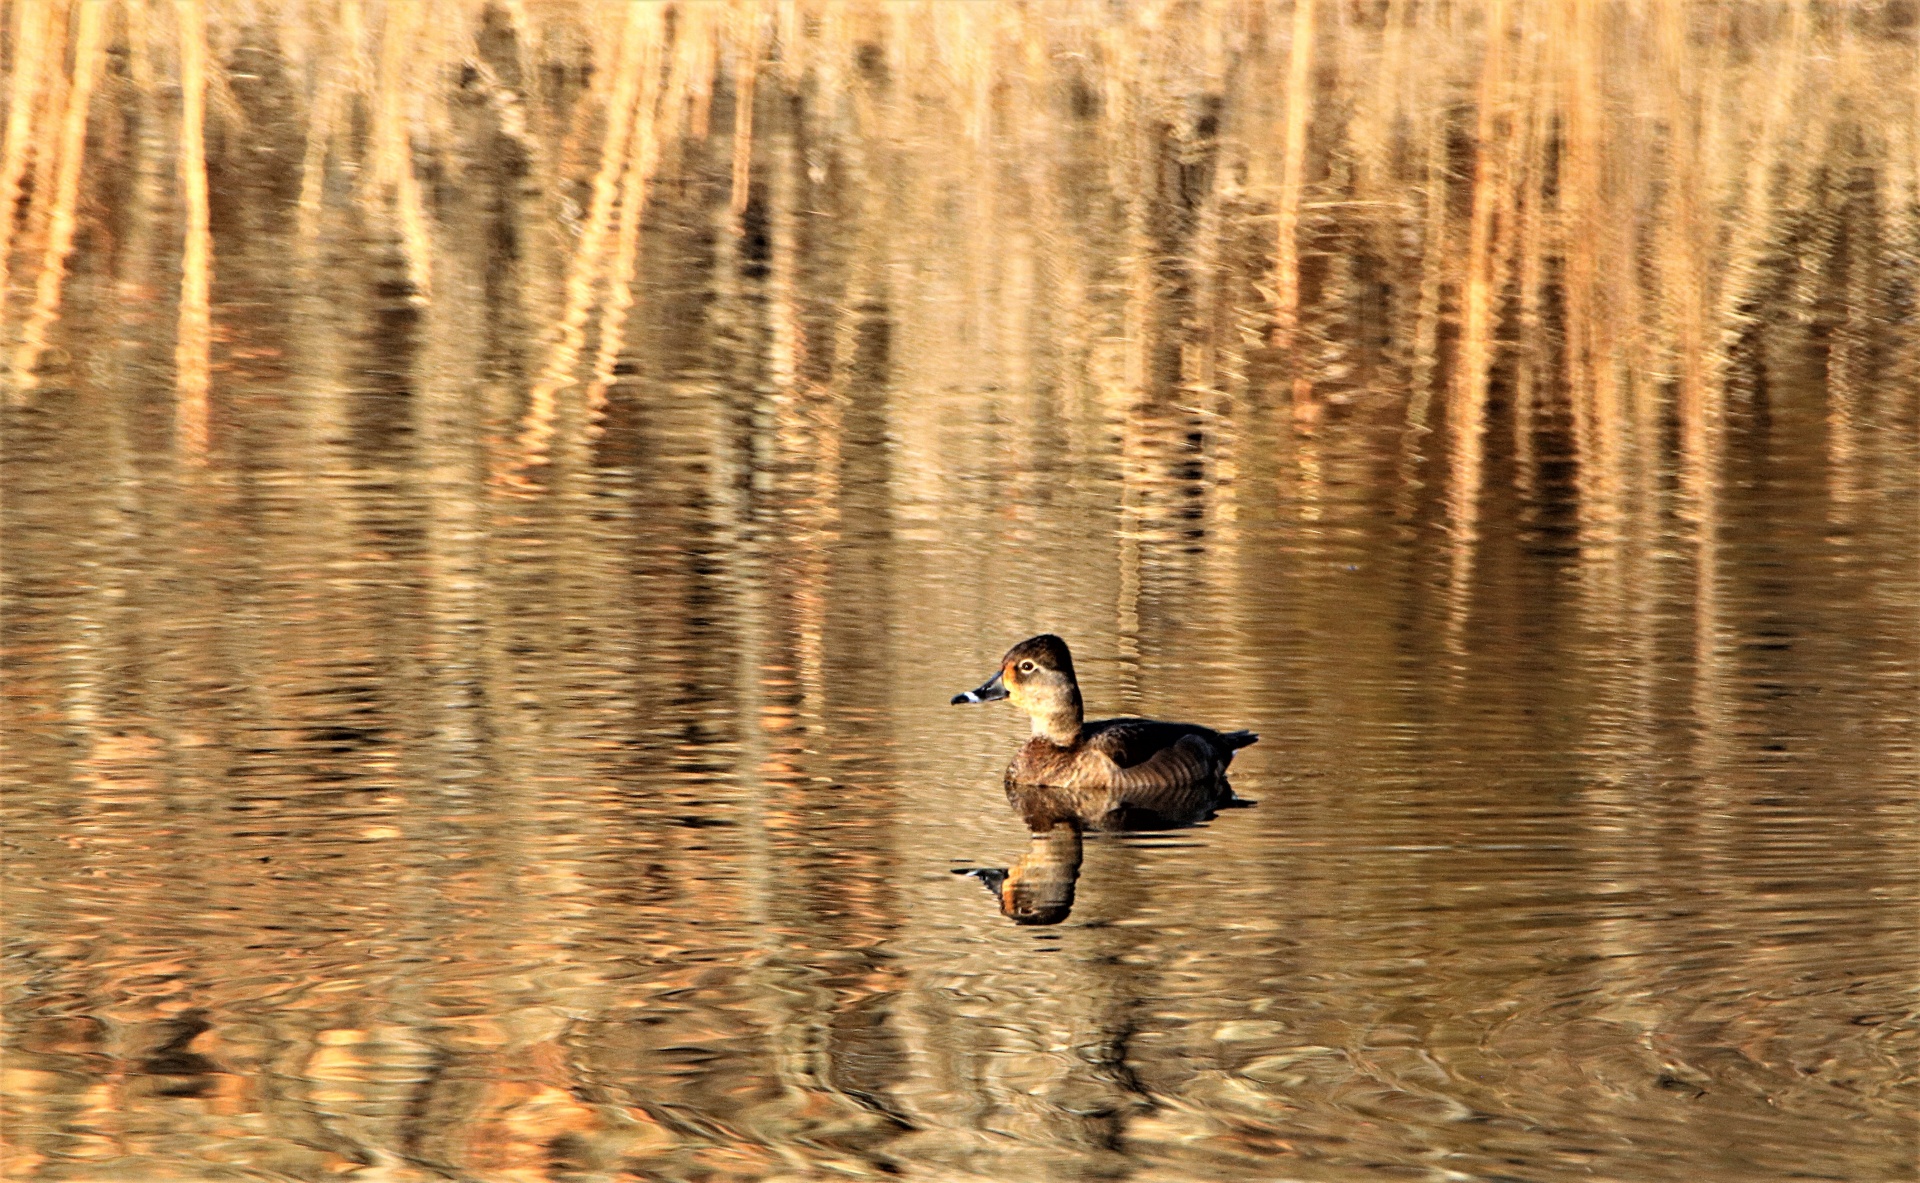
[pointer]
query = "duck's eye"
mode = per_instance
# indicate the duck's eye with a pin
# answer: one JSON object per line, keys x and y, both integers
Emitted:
{"x": 1027, "y": 667}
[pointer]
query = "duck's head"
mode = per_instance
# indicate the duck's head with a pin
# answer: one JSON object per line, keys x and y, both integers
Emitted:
{"x": 1037, "y": 676}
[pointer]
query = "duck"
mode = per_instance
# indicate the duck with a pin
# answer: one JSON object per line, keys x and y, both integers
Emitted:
{"x": 1110, "y": 773}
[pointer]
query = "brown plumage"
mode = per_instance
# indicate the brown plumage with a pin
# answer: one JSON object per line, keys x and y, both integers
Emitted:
{"x": 1110, "y": 773}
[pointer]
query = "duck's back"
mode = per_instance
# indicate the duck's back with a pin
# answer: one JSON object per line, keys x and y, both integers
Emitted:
{"x": 1169, "y": 747}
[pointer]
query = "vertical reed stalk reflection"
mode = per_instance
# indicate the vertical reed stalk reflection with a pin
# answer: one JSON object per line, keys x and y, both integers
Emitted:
{"x": 69, "y": 149}
{"x": 390, "y": 174}
{"x": 635, "y": 60}
{"x": 1466, "y": 411}
{"x": 195, "y": 339}
{"x": 24, "y": 85}
{"x": 644, "y": 158}
{"x": 1293, "y": 160}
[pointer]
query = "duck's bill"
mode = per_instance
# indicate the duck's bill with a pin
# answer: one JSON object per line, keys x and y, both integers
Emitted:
{"x": 990, "y": 690}
{"x": 993, "y": 877}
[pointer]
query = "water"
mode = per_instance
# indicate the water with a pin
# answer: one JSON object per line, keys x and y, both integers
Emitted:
{"x": 401, "y": 786}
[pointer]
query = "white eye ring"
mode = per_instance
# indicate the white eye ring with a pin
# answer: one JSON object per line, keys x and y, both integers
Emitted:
{"x": 1027, "y": 667}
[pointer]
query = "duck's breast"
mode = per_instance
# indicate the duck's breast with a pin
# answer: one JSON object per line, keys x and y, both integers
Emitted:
{"x": 1039, "y": 762}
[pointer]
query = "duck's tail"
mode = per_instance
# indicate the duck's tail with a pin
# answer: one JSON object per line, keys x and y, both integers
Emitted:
{"x": 1235, "y": 740}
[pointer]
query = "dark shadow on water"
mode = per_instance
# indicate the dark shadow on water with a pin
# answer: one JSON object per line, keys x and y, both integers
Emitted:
{"x": 1038, "y": 889}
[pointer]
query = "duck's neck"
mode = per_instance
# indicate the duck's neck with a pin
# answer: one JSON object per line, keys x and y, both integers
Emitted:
{"x": 1061, "y": 725}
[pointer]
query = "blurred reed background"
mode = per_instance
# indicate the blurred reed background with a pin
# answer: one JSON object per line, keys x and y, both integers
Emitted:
{"x": 501, "y": 460}
{"x": 1358, "y": 212}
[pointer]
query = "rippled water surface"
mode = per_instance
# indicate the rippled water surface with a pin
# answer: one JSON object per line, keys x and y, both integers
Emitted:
{"x": 471, "y": 756}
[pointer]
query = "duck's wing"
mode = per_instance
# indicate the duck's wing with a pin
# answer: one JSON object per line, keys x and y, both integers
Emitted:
{"x": 1132, "y": 742}
{"x": 1168, "y": 773}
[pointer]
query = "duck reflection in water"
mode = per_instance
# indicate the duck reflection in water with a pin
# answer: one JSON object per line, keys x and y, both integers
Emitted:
{"x": 1038, "y": 887}
{"x": 1110, "y": 774}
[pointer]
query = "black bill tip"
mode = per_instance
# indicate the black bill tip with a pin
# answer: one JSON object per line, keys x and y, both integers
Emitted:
{"x": 991, "y": 690}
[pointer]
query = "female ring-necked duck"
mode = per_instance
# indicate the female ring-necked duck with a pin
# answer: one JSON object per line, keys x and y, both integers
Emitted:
{"x": 1132, "y": 764}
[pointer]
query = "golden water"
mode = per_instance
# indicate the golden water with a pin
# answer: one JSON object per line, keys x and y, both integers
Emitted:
{"x": 497, "y": 498}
